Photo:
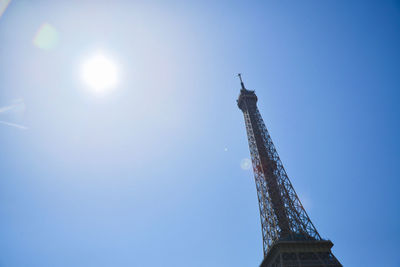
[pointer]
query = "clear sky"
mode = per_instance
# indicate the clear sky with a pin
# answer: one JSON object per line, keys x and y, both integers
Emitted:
{"x": 150, "y": 173}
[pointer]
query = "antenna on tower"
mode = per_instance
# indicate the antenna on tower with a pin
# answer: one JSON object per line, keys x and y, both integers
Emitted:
{"x": 241, "y": 81}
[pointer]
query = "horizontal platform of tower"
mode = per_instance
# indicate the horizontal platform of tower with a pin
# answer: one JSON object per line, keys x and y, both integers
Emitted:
{"x": 301, "y": 253}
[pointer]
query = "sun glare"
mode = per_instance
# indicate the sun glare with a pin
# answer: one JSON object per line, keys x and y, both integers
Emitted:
{"x": 99, "y": 72}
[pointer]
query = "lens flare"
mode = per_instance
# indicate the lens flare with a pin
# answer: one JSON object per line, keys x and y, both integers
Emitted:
{"x": 3, "y": 6}
{"x": 46, "y": 38}
{"x": 245, "y": 164}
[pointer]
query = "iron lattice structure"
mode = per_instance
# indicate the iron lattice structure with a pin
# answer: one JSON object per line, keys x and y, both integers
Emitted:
{"x": 283, "y": 217}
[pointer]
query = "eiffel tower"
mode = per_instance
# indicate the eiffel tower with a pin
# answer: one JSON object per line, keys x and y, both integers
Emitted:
{"x": 289, "y": 236}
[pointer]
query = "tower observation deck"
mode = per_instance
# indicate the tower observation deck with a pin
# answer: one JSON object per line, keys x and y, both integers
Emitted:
{"x": 289, "y": 236}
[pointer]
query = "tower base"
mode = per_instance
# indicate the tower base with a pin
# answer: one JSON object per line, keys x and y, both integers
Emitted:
{"x": 313, "y": 253}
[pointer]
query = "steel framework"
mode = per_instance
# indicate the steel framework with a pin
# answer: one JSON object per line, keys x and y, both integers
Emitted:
{"x": 283, "y": 217}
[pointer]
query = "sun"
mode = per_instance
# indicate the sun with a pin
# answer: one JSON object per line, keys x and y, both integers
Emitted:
{"x": 100, "y": 73}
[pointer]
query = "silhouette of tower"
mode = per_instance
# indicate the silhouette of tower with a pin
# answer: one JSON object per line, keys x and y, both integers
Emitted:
{"x": 289, "y": 236}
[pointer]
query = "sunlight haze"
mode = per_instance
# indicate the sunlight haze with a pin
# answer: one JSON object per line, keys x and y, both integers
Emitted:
{"x": 122, "y": 143}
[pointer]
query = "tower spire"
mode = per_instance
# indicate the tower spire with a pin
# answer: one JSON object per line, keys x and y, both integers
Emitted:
{"x": 241, "y": 81}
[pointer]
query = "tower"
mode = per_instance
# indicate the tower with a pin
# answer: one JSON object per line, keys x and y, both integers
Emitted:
{"x": 289, "y": 236}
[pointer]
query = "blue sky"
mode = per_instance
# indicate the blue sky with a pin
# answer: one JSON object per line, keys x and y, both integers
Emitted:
{"x": 150, "y": 174}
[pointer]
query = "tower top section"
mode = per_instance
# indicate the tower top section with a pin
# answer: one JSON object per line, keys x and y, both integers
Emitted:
{"x": 246, "y": 96}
